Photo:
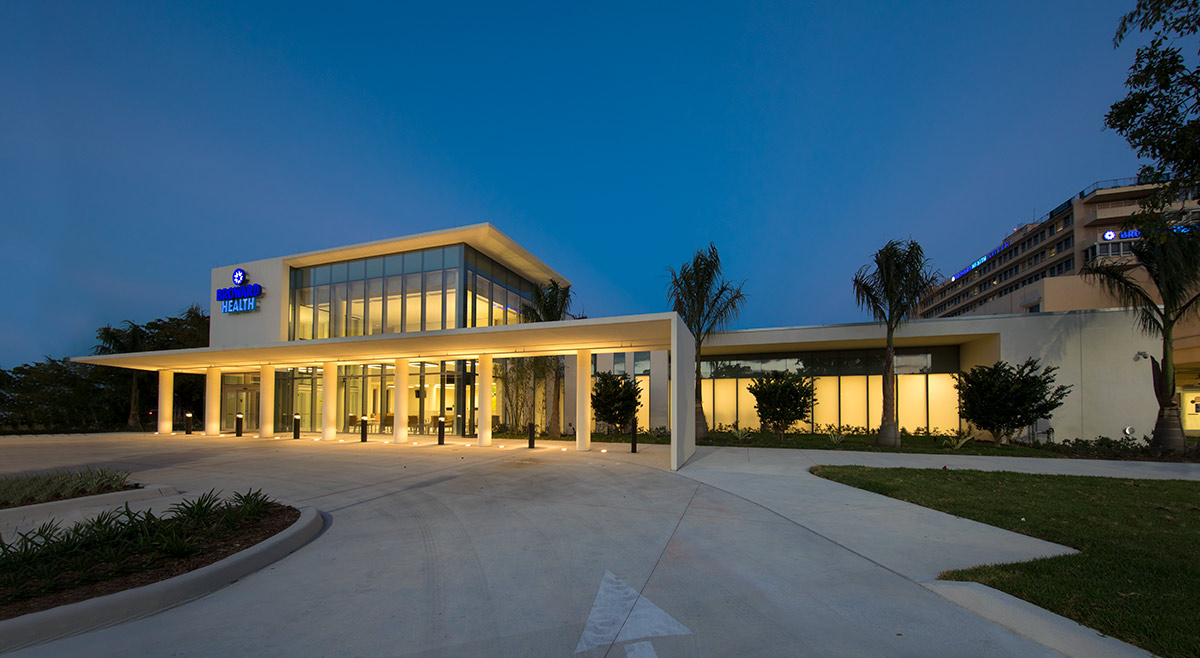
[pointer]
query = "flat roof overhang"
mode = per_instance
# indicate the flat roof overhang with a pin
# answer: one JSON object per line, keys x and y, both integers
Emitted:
{"x": 854, "y": 336}
{"x": 616, "y": 334}
{"x": 483, "y": 237}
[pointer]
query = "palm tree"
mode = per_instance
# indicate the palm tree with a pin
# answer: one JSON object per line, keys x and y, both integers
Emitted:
{"x": 550, "y": 303}
{"x": 1169, "y": 253}
{"x": 707, "y": 303}
{"x": 130, "y": 338}
{"x": 892, "y": 293}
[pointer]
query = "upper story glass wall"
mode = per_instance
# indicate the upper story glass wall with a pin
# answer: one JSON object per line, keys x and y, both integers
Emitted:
{"x": 428, "y": 290}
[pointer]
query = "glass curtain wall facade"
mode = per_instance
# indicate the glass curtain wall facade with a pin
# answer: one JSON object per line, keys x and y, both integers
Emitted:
{"x": 450, "y": 287}
{"x": 848, "y": 388}
{"x": 429, "y": 290}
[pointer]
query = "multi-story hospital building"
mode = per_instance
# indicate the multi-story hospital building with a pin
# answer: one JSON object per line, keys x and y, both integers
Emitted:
{"x": 399, "y": 333}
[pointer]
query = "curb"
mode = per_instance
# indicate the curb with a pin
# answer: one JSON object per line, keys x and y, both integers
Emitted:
{"x": 80, "y": 617}
{"x": 16, "y": 516}
{"x": 1063, "y": 635}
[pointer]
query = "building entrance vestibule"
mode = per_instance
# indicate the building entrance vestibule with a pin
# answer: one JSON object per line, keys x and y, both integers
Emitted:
{"x": 436, "y": 389}
{"x": 239, "y": 394}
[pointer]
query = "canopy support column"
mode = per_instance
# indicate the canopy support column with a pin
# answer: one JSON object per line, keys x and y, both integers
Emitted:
{"x": 166, "y": 398}
{"x": 400, "y": 418}
{"x": 583, "y": 400}
{"x": 329, "y": 401}
{"x": 212, "y": 402}
{"x": 483, "y": 391}
{"x": 266, "y": 401}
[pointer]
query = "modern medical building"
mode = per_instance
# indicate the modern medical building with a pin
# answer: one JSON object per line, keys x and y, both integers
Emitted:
{"x": 397, "y": 334}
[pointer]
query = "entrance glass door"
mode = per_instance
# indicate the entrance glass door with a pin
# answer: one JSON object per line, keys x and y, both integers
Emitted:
{"x": 242, "y": 399}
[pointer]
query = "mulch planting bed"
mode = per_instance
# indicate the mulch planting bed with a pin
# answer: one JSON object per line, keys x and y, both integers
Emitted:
{"x": 279, "y": 518}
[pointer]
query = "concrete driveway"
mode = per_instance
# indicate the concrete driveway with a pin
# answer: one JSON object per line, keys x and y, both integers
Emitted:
{"x": 467, "y": 551}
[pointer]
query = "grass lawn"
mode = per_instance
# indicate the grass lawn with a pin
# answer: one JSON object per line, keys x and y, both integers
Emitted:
{"x": 1137, "y": 577}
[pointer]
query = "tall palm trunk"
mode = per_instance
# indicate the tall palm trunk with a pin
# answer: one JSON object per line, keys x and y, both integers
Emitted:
{"x": 889, "y": 433}
{"x": 555, "y": 430}
{"x": 701, "y": 421}
{"x": 1168, "y": 427}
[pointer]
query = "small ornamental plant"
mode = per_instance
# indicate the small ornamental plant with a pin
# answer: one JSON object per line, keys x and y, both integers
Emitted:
{"x": 782, "y": 400}
{"x": 1003, "y": 399}
{"x": 615, "y": 399}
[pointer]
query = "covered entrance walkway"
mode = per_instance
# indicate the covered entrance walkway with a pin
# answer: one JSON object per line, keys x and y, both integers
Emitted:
{"x": 415, "y": 361}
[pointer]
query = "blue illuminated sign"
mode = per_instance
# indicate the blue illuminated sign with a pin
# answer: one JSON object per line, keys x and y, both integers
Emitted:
{"x": 981, "y": 261}
{"x": 1128, "y": 234}
{"x": 242, "y": 296}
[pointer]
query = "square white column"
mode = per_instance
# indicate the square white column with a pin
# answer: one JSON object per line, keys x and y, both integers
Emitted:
{"x": 329, "y": 394}
{"x": 483, "y": 393}
{"x": 400, "y": 418}
{"x": 583, "y": 400}
{"x": 166, "y": 398}
{"x": 683, "y": 393}
{"x": 266, "y": 401}
{"x": 212, "y": 402}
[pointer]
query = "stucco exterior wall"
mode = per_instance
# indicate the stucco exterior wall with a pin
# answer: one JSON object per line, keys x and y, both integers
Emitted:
{"x": 266, "y": 324}
{"x": 1093, "y": 351}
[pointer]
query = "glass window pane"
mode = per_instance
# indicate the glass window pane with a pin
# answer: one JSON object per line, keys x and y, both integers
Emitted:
{"x": 432, "y": 259}
{"x": 304, "y": 313}
{"x": 357, "y": 309}
{"x": 374, "y": 268}
{"x": 395, "y": 304}
{"x": 393, "y": 265}
{"x": 481, "y": 303}
{"x": 337, "y": 273}
{"x": 747, "y": 411}
{"x": 450, "y": 277}
{"x": 374, "y": 306}
{"x": 412, "y": 302}
{"x": 943, "y": 404}
{"x": 825, "y": 409}
{"x": 303, "y": 278}
{"x": 453, "y": 256}
{"x": 320, "y": 275}
{"x": 321, "y": 302}
{"x": 356, "y": 270}
{"x": 412, "y": 262}
{"x": 513, "y": 310}
{"x": 339, "y": 310}
{"x": 433, "y": 301}
{"x": 498, "y": 302}
{"x": 484, "y": 265}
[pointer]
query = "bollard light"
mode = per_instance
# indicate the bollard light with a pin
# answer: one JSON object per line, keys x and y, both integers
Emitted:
{"x": 362, "y": 425}
{"x": 441, "y": 430}
{"x": 633, "y": 441}
{"x": 237, "y": 426}
{"x": 187, "y": 426}
{"x": 295, "y": 426}
{"x": 531, "y": 436}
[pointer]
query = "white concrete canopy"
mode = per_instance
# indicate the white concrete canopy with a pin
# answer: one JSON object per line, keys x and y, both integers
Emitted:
{"x": 649, "y": 332}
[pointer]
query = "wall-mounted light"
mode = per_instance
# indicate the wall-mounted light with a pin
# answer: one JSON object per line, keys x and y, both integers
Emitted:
{"x": 1140, "y": 355}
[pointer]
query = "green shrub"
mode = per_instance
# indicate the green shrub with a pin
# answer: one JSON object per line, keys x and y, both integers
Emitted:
{"x": 49, "y": 559}
{"x": 782, "y": 400}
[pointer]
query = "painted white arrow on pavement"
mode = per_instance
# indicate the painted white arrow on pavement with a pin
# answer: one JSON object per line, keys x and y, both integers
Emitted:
{"x": 619, "y": 614}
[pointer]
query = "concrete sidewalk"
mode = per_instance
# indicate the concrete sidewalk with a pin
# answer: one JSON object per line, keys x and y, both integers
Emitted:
{"x": 911, "y": 540}
{"x": 456, "y": 551}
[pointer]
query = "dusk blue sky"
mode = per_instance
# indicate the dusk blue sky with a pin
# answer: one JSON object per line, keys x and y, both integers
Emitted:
{"x": 142, "y": 145}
